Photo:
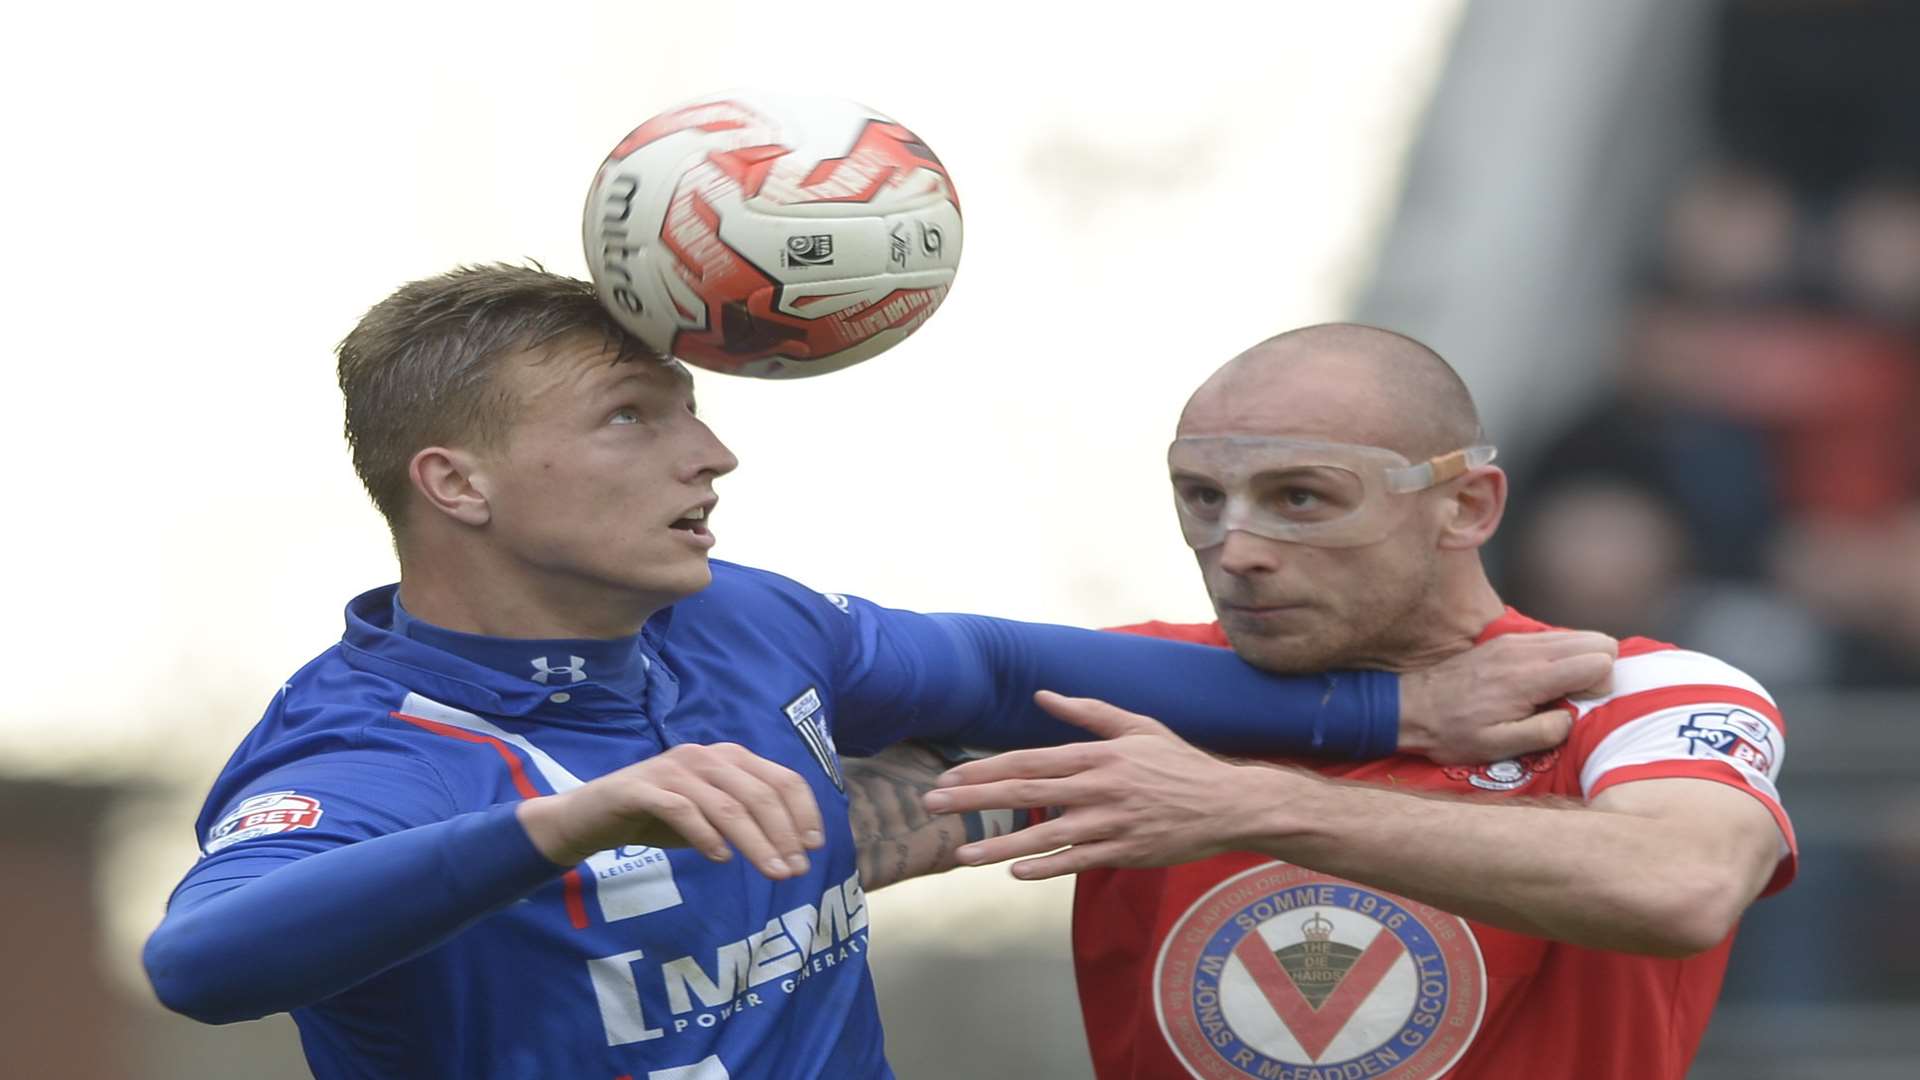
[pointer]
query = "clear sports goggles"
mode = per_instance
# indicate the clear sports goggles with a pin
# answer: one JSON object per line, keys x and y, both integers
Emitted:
{"x": 1301, "y": 491}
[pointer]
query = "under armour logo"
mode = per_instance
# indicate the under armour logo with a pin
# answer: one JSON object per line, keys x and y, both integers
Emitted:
{"x": 576, "y": 669}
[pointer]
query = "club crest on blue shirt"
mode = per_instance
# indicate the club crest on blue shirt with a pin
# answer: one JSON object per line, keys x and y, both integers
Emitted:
{"x": 809, "y": 718}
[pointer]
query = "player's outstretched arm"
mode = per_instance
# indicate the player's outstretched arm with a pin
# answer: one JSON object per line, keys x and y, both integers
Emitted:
{"x": 258, "y": 929}
{"x": 970, "y": 679}
{"x": 1444, "y": 712}
{"x": 1659, "y": 866}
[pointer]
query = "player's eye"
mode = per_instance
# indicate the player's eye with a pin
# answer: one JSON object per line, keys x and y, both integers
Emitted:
{"x": 1201, "y": 497}
{"x": 1303, "y": 503}
{"x": 624, "y": 415}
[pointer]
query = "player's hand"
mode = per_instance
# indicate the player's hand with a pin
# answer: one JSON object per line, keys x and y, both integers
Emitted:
{"x": 1494, "y": 701}
{"x": 711, "y": 798}
{"x": 1139, "y": 797}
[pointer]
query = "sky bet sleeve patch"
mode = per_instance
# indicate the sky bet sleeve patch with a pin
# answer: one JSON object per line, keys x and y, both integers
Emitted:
{"x": 263, "y": 815}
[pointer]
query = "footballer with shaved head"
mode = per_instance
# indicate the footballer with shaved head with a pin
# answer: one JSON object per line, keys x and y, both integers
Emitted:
{"x": 1560, "y": 914}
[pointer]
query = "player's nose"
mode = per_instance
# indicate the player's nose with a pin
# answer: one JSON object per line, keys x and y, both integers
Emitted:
{"x": 710, "y": 457}
{"x": 1243, "y": 554}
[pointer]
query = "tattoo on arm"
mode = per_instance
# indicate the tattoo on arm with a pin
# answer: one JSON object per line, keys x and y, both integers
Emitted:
{"x": 895, "y": 836}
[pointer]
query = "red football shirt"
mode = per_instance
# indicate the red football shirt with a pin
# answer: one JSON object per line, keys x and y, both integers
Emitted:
{"x": 1240, "y": 966}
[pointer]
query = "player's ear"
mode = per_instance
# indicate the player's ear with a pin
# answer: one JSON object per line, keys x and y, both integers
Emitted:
{"x": 1475, "y": 504}
{"x": 449, "y": 480}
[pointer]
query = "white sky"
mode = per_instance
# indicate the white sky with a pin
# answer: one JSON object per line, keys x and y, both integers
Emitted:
{"x": 203, "y": 198}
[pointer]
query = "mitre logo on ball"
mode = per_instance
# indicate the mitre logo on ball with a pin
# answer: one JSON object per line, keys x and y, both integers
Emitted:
{"x": 773, "y": 235}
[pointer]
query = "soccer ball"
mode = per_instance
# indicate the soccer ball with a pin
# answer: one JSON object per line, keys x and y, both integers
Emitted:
{"x": 771, "y": 235}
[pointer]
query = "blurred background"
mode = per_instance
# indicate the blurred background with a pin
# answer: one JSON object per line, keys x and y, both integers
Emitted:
{"x": 1674, "y": 245}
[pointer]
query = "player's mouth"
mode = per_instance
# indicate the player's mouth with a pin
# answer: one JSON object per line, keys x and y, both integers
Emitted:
{"x": 693, "y": 524}
{"x": 1258, "y": 613}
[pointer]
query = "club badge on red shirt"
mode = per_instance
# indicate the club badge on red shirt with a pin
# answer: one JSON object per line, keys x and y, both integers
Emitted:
{"x": 1282, "y": 971}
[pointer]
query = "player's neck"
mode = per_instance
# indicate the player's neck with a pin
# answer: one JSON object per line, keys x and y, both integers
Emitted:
{"x": 472, "y": 593}
{"x": 1446, "y": 624}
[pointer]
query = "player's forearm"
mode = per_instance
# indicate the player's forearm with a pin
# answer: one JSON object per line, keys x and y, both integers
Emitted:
{"x": 313, "y": 926}
{"x": 1207, "y": 695}
{"x": 895, "y": 837}
{"x": 1563, "y": 871}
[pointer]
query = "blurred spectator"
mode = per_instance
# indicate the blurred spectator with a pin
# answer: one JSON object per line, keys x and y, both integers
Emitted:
{"x": 1757, "y": 455}
{"x": 1751, "y": 485}
{"x": 1608, "y": 551}
{"x": 1863, "y": 576}
{"x": 1730, "y": 235}
{"x": 1876, "y": 251}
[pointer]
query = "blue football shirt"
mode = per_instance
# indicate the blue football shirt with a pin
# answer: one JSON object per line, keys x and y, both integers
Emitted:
{"x": 363, "y": 869}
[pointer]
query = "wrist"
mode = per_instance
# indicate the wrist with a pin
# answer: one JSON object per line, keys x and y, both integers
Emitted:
{"x": 545, "y": 820}
{"x": 1273, "y": 807}
{"x": 1416, "y": 712}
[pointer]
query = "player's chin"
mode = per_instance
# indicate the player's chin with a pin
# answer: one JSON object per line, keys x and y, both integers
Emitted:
{"x": 675, "y": 571}
{"x": 690, "y": 574}
{"x": 1287, "y": 650}
{"x": 1270, "y": 622}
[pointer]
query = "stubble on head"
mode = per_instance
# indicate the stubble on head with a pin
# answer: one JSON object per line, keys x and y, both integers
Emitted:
{"x": 1365, "y": 606}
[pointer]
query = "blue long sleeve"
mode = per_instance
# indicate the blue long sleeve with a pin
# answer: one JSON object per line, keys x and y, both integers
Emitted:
{"x": 247, "y": 937}
{"x": 1209, "y": 696}
{"x": 971, "y": 679}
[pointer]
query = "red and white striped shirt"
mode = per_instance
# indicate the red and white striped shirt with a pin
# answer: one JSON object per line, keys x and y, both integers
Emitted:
{"x": 1241, "y": 966}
